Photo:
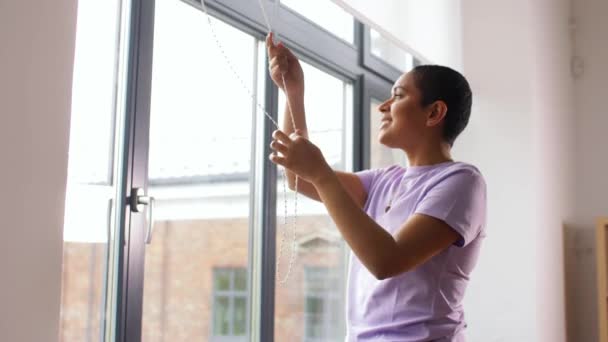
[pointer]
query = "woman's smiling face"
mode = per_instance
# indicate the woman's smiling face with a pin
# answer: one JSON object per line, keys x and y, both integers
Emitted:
{"x": 402, "y": 115}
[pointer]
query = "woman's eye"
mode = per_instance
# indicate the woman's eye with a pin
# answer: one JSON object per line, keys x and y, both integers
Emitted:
{"x": 397, "y": 96}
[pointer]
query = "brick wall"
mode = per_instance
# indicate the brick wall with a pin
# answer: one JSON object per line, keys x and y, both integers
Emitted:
{"x": 178, "y": 291}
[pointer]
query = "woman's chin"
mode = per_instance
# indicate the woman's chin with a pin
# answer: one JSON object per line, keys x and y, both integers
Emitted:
{"x": 383, "y": 139}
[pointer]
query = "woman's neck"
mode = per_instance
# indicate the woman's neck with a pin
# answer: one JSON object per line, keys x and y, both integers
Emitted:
{"x": 429, "y": 154}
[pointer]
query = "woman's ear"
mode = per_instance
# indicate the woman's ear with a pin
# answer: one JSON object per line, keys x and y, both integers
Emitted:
{"x": 438, "y": 110}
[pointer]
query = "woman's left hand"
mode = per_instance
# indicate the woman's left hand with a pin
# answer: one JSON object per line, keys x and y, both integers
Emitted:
{"x": 299, "y": 155}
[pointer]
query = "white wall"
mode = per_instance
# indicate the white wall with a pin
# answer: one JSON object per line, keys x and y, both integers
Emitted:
{"x": 432, "y": 27}
{"x": 516, "y": 56}
{"x": 36, "y": 58}
{"x": 591, "y": 160}
{"x": 500, "y": 300}
{"x": 554, "y": 146}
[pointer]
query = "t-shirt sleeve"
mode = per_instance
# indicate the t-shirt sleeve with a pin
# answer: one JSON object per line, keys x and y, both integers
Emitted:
{"x": 460, "y": 201}
{"x": 368, "y": 177}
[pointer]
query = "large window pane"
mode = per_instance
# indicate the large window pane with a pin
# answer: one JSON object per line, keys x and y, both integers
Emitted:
{"x": 327, "y": 15}
{"x": 221, "y": 316}
{"x": 91, "y": 187}
{"x": 380, "y": 155}
{"x": 318, "y": 243}
{"x": 196, "y": 267}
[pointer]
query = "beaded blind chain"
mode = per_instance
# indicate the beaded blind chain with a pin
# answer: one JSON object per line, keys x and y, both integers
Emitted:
{"x": 233, "y": 70}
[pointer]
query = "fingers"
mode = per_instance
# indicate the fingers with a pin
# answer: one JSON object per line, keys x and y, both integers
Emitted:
{"x": 282, "y": 137}
{"x": 269, "y": 42}
{"x": 278, "y": 49}
{"x": 297, "y": 136}
{"x": 278, "y": 64}
{"x": 278, "y": 147}
{"x": 278, "y": 60}
{"x": 276, "y": 74}
{"x": 287, "y": 52}
{"x": 275, "y": 158}
{"x": 272, "y": 49}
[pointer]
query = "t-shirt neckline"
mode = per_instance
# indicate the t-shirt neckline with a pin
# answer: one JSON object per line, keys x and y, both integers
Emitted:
{"x": 417, "y": 170}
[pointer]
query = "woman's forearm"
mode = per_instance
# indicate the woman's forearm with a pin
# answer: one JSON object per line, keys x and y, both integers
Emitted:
{"x": 373, "y": 245}
{"x": 295, "y": 104}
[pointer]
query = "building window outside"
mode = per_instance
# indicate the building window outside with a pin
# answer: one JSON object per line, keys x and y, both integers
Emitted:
{"x": 322, "y": 306}
{"x": 229, "y": 304}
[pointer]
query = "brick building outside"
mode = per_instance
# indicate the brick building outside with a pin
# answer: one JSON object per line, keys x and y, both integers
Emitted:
{"x": 196, "y": 282}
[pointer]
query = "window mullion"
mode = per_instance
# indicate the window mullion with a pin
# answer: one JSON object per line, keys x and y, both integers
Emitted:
{"x": 264, "y": 213}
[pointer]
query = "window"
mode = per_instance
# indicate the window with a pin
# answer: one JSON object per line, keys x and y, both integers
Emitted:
{"x": 323, "y": 305}
{"x": 327, "y": 15}
{"x": 199, "y": 171}
{"x": 388, "y": 51}
{"x": 197, "y": 142}
{"x": 229, "y": 304}
{"x": 328, "y": 101}
{"x": 383, "y": 56}
{"x": 89, "y": 231}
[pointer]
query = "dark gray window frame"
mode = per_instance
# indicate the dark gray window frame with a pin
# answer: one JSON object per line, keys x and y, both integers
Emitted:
{"x": 373, "y": 88}
{"x": 314, "y": 45}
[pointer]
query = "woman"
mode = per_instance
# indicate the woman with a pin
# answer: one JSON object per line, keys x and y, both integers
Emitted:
{"x": 415, "y": 233}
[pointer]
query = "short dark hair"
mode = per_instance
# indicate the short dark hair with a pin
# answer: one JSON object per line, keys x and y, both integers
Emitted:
{"x": 436, "y": 83}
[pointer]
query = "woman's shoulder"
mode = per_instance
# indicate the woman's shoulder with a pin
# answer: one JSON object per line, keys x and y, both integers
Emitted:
{"x": 463, "y": 167}
{"x": 374, "y": 176}
{"x": 466, "y": 172}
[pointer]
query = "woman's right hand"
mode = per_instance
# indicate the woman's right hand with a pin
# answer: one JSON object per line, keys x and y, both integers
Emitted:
{"x": 283, "y": 64}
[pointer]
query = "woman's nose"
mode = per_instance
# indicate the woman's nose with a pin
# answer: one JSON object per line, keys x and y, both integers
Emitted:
{"x": 384, "y": 106}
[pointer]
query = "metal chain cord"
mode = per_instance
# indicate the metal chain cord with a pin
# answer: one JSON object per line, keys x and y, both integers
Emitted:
{"x": 250, "y": 92}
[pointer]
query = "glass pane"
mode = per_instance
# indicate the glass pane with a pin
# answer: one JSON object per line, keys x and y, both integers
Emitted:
{"x": 240, "y": 280}
{"x": 314, "y": 325}
{"x": 91, "y": 188}
{"x": 240, "y": 316}
{"x": 380, "y": 155}
{"x": 317, "y": 242}
{"x": 388, "y": 51}
{"x": 221, "y": 315}
{"x": 222, "y": 280}
{"x": 314, "y": 305}
{"x": 327, "y": 15}
{"x": 92, "y": 121}
{"x": 199, "y": 166}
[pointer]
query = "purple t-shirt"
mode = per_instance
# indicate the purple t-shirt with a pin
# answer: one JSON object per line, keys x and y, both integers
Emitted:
{"x": 425, "y": 303}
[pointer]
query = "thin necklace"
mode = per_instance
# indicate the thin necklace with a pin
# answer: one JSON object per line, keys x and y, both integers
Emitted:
{"x": 393, "y": 194}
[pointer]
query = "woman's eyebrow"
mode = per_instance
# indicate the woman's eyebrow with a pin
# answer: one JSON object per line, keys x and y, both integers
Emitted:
{"x": 398, "y": 87}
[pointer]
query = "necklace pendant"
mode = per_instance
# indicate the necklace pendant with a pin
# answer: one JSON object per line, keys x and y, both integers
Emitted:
{"x": 388, "y": 207}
